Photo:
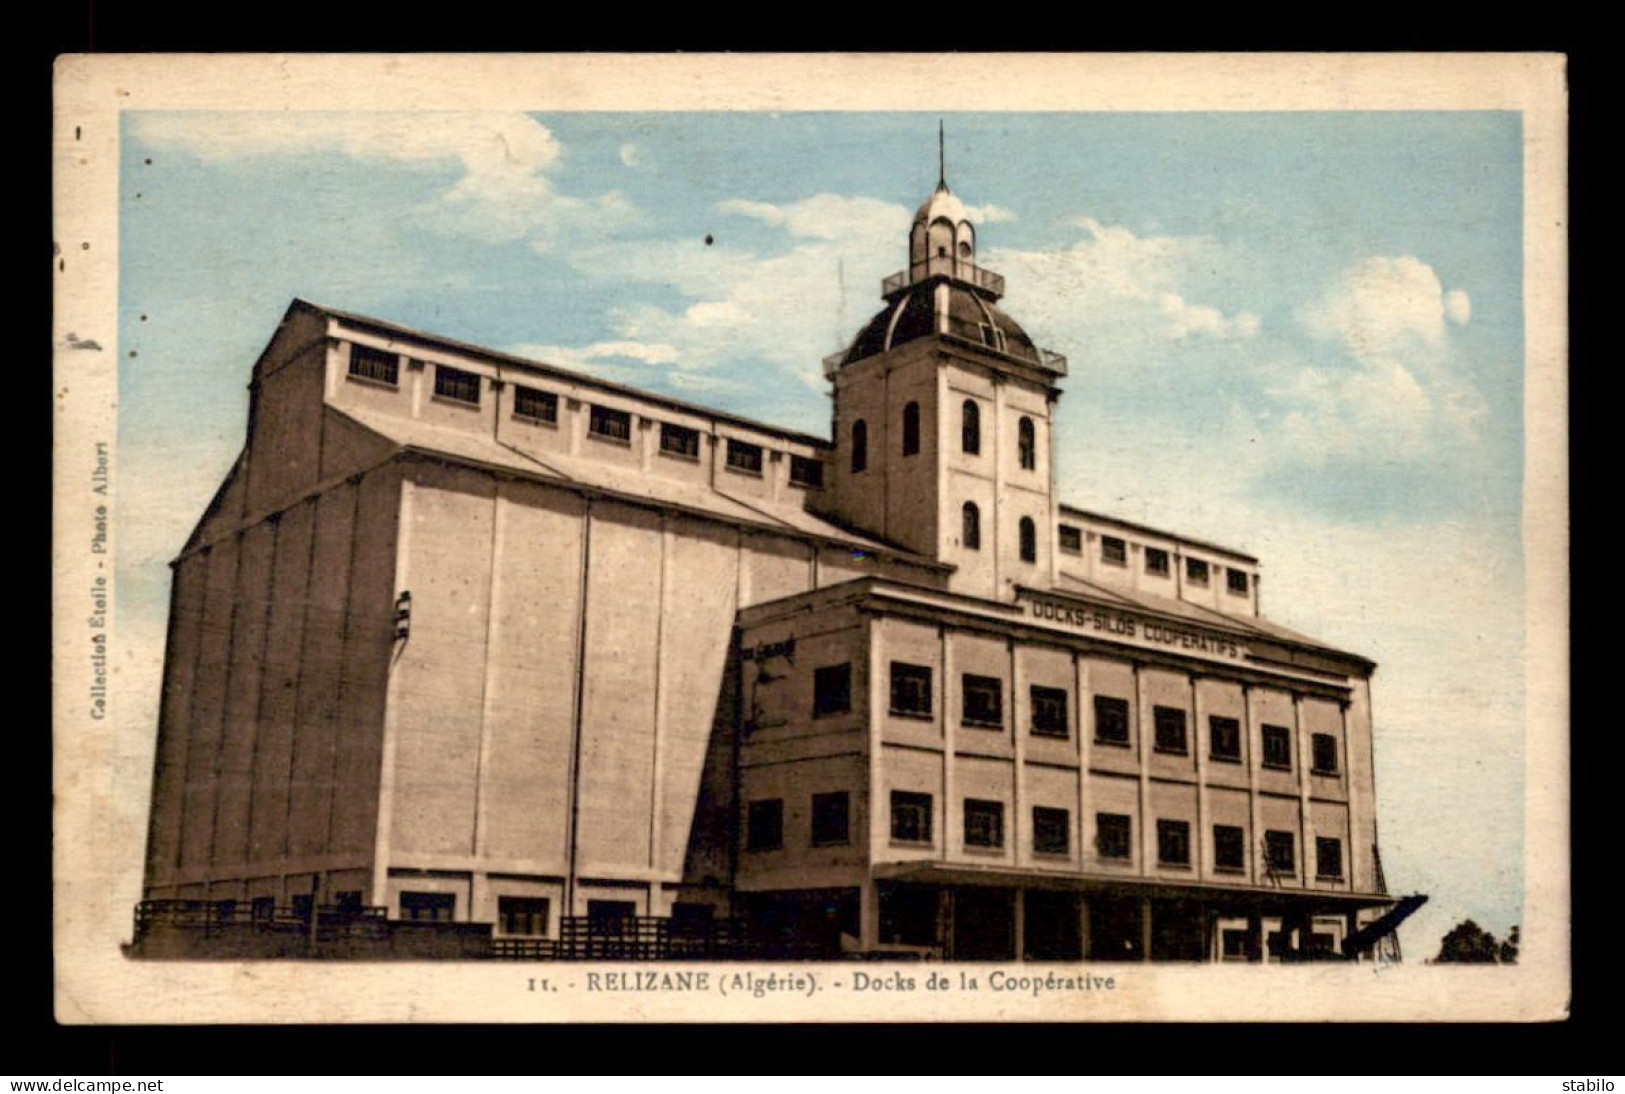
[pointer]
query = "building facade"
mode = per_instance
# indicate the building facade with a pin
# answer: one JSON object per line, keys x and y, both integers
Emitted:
{"x": 475, "y": 639}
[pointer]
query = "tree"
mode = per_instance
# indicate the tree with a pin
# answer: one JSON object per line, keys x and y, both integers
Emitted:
{"x": 1468, "y": 943}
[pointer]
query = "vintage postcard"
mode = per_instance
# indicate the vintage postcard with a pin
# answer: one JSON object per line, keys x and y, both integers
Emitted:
{"x": 800, "y": 538}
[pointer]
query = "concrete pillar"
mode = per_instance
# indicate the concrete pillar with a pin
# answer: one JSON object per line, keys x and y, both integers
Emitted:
{"x": 1083, "y": 927}
{"x": 869, "y": 914}
{"x": 1018, "y": 909}
{"x": 1255, "y": 938}
{"x": 1145, "y": 928}
{"x": 1351, "y": 924}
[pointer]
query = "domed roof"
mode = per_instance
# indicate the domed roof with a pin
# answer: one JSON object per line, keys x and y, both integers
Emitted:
{"x": 913, "y": 316}
{"x": 941, "y": 205}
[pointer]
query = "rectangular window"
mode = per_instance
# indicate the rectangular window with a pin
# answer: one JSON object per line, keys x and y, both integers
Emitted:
{"x": 1325, "y": 753}
{"x": 1113, "y": 551}
{"x": 806, "y": 471}
{"x": 376, "y": 365}
{"x": 263, "y": 907}
{"x": 611, "y": 425}
{"x": 536, "y": 406}
{"x": 1224, "y": 739}
{"x": 1052, "y": 831}
{"x": 910, "y": 690}
{"x": 428, "y": 907}
{"x": 764, "y": 827}
{"x": 1049, "y": 711}
{"x": 1235, "y": 944}
{"x": 984, "y": 823}
{"x": 1169, "y": 723}
{"x": 348, "y": 901}
{"x": 745, "y": 457}
{"x": 610, "y": 916}
{"x": 1280, "y": 852}
{"x": 910, "y": 817}
{"x": 1156, "y": 561}
{"x": 832, "y": 690}
{"x": 983, "y": 701}
{"x": 1174, "y": 842}
{"x": 1195, "y": 571}
{"x": 679, "y": 440}
{"x": 456, "y": 385}
{"x": 1111, "y": 720}
{"x": 1277, "y": 747}
{"x": 1112, "y": 835}
{"x": 1328, "y": 857}
{"x": 1071, "y": 539}
{"x": 1236, "y": 581}
{"x": 830, "y": 824}
{"x": 522, "y": 915}
{"x": 1229, "y": 847}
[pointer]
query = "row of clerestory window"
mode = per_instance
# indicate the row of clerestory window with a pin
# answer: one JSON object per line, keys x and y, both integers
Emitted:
{"x": 605, "y": 423}
{"x": 970, "y": 436}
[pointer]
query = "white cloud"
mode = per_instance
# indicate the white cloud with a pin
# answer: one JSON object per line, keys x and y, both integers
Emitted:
{"x": 829, "y": 216}
{"x": 1382, "y": 306}
{"x": 1458, "y": 307}
{"x": 649, "y": 353}
{"x": 631, "y": 155}
{"x": 501, "y": 192}
{"x": 989, "y": 214}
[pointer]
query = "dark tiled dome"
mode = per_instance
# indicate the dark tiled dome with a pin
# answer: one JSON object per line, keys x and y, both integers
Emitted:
{"x": 970, "y": 317}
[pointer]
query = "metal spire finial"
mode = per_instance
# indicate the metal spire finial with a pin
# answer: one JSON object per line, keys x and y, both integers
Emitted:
{"x": 942, "y": 160}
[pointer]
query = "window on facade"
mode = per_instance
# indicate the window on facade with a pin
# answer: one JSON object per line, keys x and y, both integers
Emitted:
{"x": 1224, "y": 739}
{"x": 970, "y": 428}
{"x": 983, "y": 701}
{"x": 1234, "y": 942}
{"x": 537, "y": 406}
{"x": 830, "y": 819}
{"x": 1169, "y": 724}
{"x": 1027, "y": 444}
{"x": 806, "y": 471}
{"x": 1324, "y": 746}
{"x": 971, "y": 533}
{"x": 910, "y": 817}
{"x": 428, "y": 907}
{"x": 1112, "y": 835}
{"x": 612, "y": 425}
{"x": 911, "y": 429}
{"x": 1277, "y": 742}
{"x": 1029, "y": 540}
{"x": 1174, "y": 842}
{"x": 1111, "y": 720}
{"x": 1070, "y": 539}
{"x": 456, "y": 385}
{"x": 1049, "y": 711}
{"x": 302, "y": 903}
{"x": 1229, "y": 847}
{"x": 984, "y": 823}
{"x": 522, "y": 915}
{"x": 679, "y": 440}
{"x": 764, "y": 825}
{"x": 860, "y": 445}
{"x": 745, "y": 457}
{"x": 1113, "y": 551}
{"x": 262, "y": 907}
{"x": 832, "y": 690}
{"x": 376, "y": 365}
{"x": 1280, "y": 852}
{"x": 609, "y": 916}
{"x": 1195, "y": 571}
{"x": 1328, "y": 857}
{"x": 1236, "y": 581}
{"x": 348, "y": 901}
{"x": 910, "y": 690}
{"x": 1156, "y": 561}
{"x": 1052, "y": 831}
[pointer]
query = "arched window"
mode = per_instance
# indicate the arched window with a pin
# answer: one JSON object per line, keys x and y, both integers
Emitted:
{"x": 973, "y": 527}
{"x": 970, "y": 428}
{"x": 1029, "y": 540}
{"x": 1028, "y": 445}
{"x": 860, "y": 445}
{"x": 911, "y": 429}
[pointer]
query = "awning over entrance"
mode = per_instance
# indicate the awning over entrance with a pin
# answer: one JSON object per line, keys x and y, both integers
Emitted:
{"x": 1242, "y": 899}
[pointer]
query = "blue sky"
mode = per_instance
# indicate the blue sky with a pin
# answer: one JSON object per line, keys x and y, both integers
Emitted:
{"x": 1298, "y": 333}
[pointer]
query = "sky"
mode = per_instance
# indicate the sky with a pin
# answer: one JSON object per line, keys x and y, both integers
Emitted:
{"x": 1299, "y": 334}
